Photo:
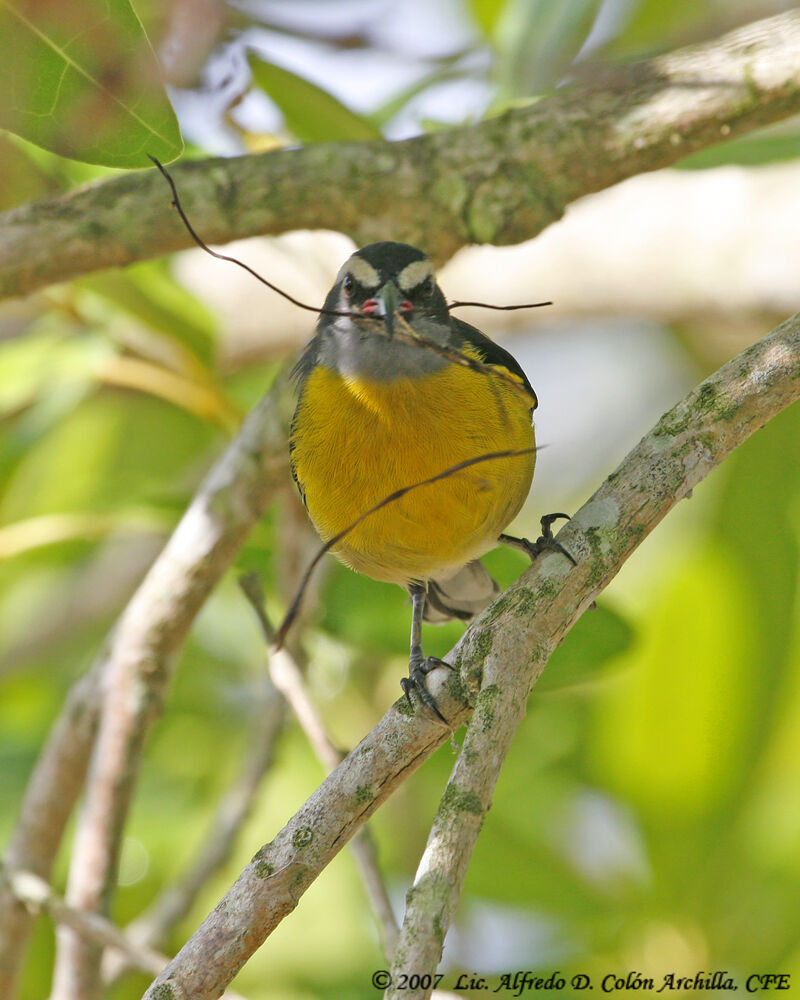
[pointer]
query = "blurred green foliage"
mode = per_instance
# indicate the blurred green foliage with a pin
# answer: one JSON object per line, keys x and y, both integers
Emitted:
{"x": 648, "y": 816}
{"x": 80, "y": 79}
{"x": 310, "y": 113}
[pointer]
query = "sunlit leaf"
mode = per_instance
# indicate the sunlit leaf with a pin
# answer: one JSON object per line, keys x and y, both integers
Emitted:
{"x": 671, "y": 729}
{"x": 758, "y": 525}
{"x": 598, "y": 636}
{"x": 486, "y": 13}
{"x": 51, "y": 529}
{"x": 114, "y": 449}
{"x": 537, "y": 42}
{"x": 311, "y": 113}
{"x": 20, "y": 180}
{"x": 80, "y": 79}
{"x": 387, "y": 111}
{"x": 366, "y": 613}
{"x": 748, "y": 151}
{"x": 653, "y": 25}
{"x": 61, "y": 172}
{"x": 203, "y": 400}
{"x": 46, "y": 364}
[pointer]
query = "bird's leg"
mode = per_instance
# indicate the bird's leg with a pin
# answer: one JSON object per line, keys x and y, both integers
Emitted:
{"x": 544, "y": 543}
{"x": 420, "y": 665}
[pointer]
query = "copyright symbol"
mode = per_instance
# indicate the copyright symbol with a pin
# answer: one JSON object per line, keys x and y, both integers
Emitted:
{"x": 381, "y": 979}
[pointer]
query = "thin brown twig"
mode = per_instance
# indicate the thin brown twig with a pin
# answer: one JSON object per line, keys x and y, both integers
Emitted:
{"x": 486, "y": 305}
{"x": 637, "y": 131}
{"x": 288, "y": 678}
{"x": 322, "y": 311}
{"x": 176, "y": 204}
{"x": 37, "y": 895}
{"x": 405, "y": 331}
{"x": 499, "y": 709}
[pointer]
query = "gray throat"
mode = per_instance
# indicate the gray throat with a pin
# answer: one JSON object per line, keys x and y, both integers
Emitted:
{"x": 363, "y": 353}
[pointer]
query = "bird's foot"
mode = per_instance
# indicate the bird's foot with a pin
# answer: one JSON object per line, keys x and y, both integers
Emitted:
{"x": 418, "y": 669}
{"x": 544, "y": 543}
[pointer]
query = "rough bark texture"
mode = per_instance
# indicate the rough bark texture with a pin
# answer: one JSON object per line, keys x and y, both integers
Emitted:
{"x": 501, "y": 181}
{"x": 498, "y": 661}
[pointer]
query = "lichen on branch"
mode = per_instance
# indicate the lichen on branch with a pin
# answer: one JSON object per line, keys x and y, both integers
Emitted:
{"x": 500, "y": 181}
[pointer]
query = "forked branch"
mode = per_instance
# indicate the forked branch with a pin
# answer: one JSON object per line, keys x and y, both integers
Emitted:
{"x": 498, "y": 661}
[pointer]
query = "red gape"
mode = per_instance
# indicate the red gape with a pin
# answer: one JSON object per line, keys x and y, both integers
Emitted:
{"x": 370, "y": 306}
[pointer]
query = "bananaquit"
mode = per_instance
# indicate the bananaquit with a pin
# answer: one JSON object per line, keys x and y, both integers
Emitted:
{"x": 379, "y": 410}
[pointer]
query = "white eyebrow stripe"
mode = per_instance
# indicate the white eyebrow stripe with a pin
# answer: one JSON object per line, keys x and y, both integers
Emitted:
{"x": 414, "y": 274}
{"x": 364, "y": 273}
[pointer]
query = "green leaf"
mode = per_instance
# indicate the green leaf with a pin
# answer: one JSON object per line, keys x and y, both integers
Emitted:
{"x": 654, "y": 26}
{"x": 365, "y": 612}
{"x": 48, "y": 366}
{"x": 537, "y": 42}
{"x": 311, "y": 114}
{"x": 486, "y": 13}
{"x": 747, "y": 151}
{"x": 672, "y": 733}
{"x": 80, "y": 79}
{"x": 599, "y": 636}
{"x": 92, "y": 460}
{"x": 442, "y": 74}
{"x": 21, "y": 180}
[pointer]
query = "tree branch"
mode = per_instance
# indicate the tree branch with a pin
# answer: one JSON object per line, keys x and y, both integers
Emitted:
{"x": 288, "y": 679}
{"x": 501, "y": 181}
{"x": 300, "y": 544}
{"x": 49, "y": 799}
{"x": 509, "y": 645}
{"x": 135, "y": 665}
{"x": 36, "y": 894}
{"x": 151, "y": 928}
{"x": 135, "y": 674}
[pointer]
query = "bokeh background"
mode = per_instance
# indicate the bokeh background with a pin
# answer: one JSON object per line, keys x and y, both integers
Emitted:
{"x": 648, "y": 816}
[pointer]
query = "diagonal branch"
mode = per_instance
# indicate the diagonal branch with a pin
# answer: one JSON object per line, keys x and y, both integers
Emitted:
{"x": 37, "y": 895}
{"x": 288, "y": 679}
{"x": 49, "y": 800}
{"x": 138, "y": 656}
{"x": 507, "y": 646}
{"x": 152, "y": 927}
{"x": 138, "y": 665}
{"x": 500, "y": 181}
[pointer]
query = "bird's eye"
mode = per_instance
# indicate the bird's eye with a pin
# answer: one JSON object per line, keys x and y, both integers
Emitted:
{"x": 427, "y": 287}
{"x": 348, "y": 283}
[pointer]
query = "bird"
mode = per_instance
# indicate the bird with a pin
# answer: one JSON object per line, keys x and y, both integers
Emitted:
{"x": 399, "y": 408}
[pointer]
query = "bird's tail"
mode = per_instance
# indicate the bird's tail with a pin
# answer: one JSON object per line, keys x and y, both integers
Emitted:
{"x": 461, "y": 596}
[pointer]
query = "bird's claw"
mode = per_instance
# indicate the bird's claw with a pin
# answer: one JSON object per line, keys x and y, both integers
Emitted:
{"x": 418, "y": 669}
{"x": 544, "y": 543}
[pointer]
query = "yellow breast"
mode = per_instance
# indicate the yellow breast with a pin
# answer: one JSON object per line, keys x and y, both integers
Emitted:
{"x": 356, "y": 441}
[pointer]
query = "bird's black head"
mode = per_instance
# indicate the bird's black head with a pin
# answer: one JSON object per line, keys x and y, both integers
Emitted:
{"x": 385, "y": 279}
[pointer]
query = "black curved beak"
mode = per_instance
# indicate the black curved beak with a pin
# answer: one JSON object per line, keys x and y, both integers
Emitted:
{"x": 388, "y": 298}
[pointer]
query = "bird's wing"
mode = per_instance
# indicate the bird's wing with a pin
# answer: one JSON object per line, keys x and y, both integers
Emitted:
{"x": 491, "y": 354}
